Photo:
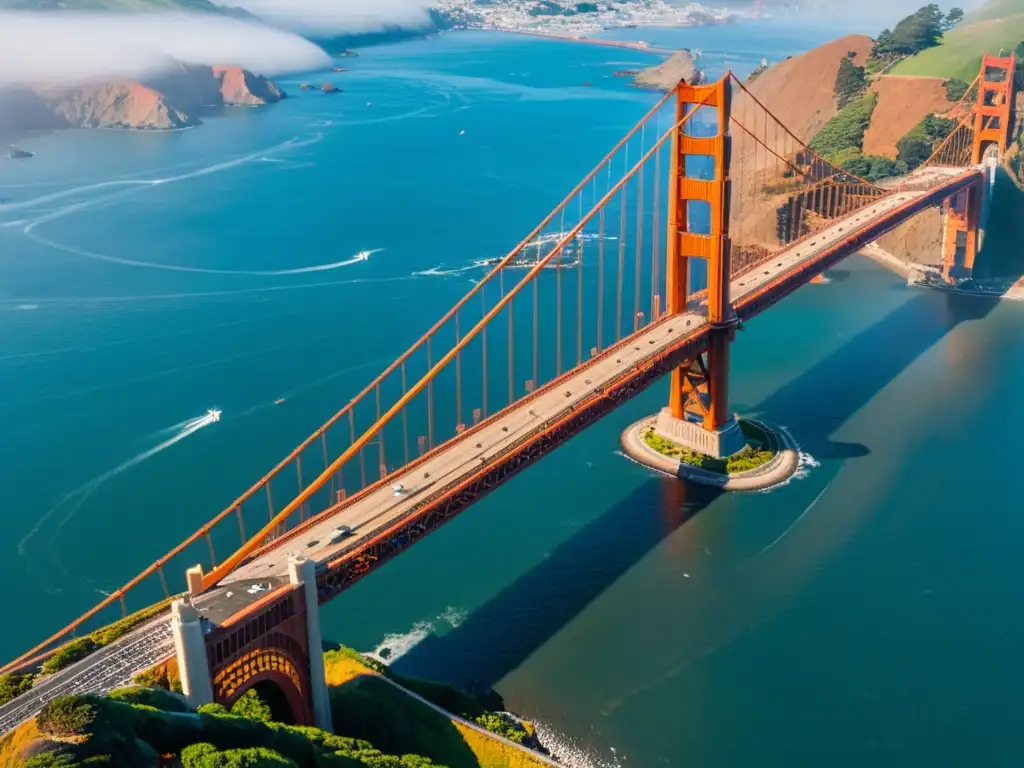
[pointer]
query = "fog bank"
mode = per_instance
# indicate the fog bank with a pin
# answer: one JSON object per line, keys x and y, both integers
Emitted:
{"x": 338, "y": 16}
{"x": 76, "y": 48}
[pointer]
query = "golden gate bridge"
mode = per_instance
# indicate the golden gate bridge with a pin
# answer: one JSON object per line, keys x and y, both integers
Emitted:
{"x": 708, "y": 211}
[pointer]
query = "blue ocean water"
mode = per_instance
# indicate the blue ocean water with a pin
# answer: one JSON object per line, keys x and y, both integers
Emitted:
{"x": 865, "y": 612}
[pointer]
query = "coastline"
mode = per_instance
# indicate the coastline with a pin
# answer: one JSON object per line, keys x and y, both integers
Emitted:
{"x": 882, "y": 257}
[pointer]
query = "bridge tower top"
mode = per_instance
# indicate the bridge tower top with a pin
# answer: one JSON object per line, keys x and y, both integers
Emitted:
{"x": 992, "y": 119}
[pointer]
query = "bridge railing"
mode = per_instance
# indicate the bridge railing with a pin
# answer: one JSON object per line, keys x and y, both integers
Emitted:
{"x": 583, "y": 278}
{"x": 782, "y": 190}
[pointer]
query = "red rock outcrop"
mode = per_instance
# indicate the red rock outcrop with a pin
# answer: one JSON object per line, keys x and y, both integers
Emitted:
{"x": 119, "y": 104}
{"x": 173, "y": 99}
{"x": 240, "y": 87}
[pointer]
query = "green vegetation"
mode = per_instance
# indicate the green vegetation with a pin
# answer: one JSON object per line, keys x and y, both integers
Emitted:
{"x": 89, "y": 730}
{"x": 503, "y": 726}
{"x": 157, "y": 698}
{"x": 14, "y": 684}
{"x": 955, "y": 88}
{"x": 851, "y": 82}
{"x": 369, "y": 707}
{"x": 917, "y": 32}
{"x": 78, "y": 649}
{"x": 841, "y": 141}
{"x": 755, "y": 453}
{"x": 922, "y": 140}
{"x": 250, "y": 705}
{"x": 846, "y": 128}
{"x": 997, "y": 25}
{"x": 994, "y": 9}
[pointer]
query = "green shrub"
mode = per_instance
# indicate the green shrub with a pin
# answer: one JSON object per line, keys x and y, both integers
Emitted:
{"x": 213, "y": 709}
{"x": 158, "y": 698}
{"x": 955, "y": 89}
{"x": 74, "y": 651}
{"x": 846, "y": 128}
{"x": 503, "y": 726}
{"x": 921, "y": 29}
{"x": 68, "y": 716}
{"x": 206, "y": 756}
{"x": 851, "y": 82}
{"x": 13, "y": 685}
{"x": 921, "y": 141}
{"x": 250, "y": 705}
{"x": 52, "y": 760}
{"x": 193, "y": 755}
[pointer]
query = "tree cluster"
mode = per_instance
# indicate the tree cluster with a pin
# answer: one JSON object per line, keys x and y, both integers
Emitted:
{"x": 851, "y": 82}
{"x": 918, "y": 31}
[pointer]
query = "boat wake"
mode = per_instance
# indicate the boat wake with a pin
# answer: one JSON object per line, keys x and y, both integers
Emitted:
{"x": 124, "y": 187}
{"x": 395, "y": 645}
{"x": 71, "y": 503}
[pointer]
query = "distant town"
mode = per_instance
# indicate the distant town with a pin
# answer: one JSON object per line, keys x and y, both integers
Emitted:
{"x": 575, "y": 19}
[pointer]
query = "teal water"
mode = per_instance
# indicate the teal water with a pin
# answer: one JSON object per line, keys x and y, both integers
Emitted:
{"x": 867, "y": 612}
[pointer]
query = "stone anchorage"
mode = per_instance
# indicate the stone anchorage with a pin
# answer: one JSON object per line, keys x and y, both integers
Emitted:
{"x": 779, "y": 468}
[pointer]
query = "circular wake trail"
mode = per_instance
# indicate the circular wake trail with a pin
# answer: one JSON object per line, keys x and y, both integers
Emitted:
{"x": 30, "y": 228}
{"x": 82, "y": 493}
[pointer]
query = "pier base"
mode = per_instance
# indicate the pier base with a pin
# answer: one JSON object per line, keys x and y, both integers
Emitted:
{"x": 719, "y": 443}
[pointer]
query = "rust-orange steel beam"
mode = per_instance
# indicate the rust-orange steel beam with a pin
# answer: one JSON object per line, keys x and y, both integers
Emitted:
{"x": 994, "y": 105}
{"x": 321, "y": 432}
{"x": 713, "y": 248}
{"x": 235, "y": 559}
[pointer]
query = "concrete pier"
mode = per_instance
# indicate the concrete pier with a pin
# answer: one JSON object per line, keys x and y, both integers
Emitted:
{"x": 724, "y": 441}
{"x": 780, "y": 468}
{"x": 190, "y": 648}
{"x": 302, "y": 570}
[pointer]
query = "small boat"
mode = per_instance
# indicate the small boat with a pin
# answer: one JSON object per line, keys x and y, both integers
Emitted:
{"x": 279, "y": 401}
{"x": 213, "y": 415}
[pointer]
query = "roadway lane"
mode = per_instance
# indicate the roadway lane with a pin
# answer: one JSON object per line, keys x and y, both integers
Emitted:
{"x": 115, "y": 665}
{"x": 464, "y": 455}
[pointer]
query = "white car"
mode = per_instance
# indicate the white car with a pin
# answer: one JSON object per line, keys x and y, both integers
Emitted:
{"x": 339, "y": 533}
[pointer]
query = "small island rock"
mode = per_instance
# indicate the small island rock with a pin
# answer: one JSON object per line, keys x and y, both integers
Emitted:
{"x": 679, "y": 66}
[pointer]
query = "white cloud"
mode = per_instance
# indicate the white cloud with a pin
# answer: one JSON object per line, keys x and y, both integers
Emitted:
{"x": 82, "y": 47}
{"x": 338, "y": 16}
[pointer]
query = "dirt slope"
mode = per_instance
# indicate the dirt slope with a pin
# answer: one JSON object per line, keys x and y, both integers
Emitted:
{"x": 800, "y": 90}
{"x": 902, "y": 103}
{"x": 800, "y": 93}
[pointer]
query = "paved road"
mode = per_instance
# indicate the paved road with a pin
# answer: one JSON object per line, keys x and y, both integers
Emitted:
{"x": 114, "y": 666}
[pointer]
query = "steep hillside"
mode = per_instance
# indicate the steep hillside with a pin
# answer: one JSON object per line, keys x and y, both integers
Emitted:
{"x": 959, "y": 54}
{"x": 902, "y": 103}
{"x": 800, "y": 92}
{"x": 994, "y": 9}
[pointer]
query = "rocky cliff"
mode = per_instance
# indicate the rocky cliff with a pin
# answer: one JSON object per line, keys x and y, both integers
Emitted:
{"x": 663, "y": 77}
{"x": 119, "y": 104}
{"x": 174, "y": 99}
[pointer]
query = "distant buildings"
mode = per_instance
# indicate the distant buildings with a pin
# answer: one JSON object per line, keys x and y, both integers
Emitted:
{"x": 573, "y": 19}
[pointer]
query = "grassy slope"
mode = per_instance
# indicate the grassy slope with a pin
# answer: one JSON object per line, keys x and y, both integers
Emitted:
{"x": 994, "y": 9}
{"x": 997, "y": 24}
{"x": 366, "y": 705}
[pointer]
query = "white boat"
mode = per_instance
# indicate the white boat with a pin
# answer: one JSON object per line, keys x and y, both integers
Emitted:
{"x": 213, "y": 415}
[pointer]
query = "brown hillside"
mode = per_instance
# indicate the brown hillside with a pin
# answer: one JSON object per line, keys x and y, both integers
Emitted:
{"x": 800, "y": 92}
{"x": 903, "y": 102}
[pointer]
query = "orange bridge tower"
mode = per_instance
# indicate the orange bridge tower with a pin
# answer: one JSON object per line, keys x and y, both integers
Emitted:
{"x": 697, "y": 416}
{"x": 992, "y": 124}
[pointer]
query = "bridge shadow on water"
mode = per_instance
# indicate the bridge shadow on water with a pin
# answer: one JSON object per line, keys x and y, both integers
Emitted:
{"x": 498, "y": 637}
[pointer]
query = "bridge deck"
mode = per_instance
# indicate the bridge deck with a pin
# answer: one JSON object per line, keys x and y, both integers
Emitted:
{"x": 463, "y": 456}
{"x": 114, "y": 665}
